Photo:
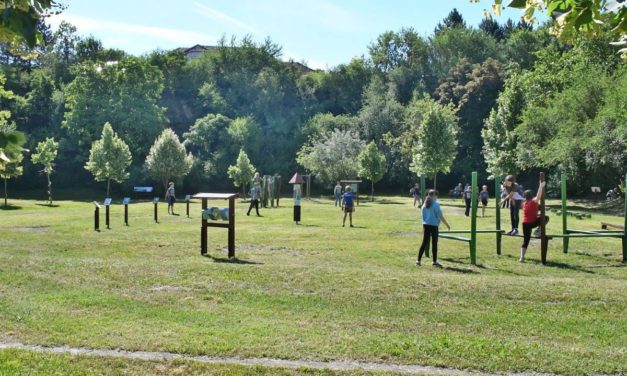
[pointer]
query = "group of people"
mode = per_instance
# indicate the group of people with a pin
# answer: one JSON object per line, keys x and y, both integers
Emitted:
{"x": 513, "y": 194}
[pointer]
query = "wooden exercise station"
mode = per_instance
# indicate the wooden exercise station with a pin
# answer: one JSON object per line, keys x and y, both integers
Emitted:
{"x": 230, "y": 225}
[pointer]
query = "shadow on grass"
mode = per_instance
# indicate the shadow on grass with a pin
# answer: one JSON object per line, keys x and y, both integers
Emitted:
{"x": 10, "y": 207}
{"x": 388, "y": 202}
{"x": 306, "y": 225}
{"x": 234, "y": 260}
{"x": 48, "y": 205}
{"x": 459, "y": 270}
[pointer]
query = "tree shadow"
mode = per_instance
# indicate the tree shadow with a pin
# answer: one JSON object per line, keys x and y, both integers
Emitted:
{"x": 48, "y": 205}
{"x": 234, "y": 260}
{"x": 10, "y": 207}
{"x": 388, "y": 202}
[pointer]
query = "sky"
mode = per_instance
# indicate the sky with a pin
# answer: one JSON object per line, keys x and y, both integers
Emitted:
{"x": 322, "y": 33}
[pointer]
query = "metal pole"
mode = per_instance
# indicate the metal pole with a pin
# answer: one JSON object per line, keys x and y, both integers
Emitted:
{"x": 544, "y": 241}
{"x": 473, "y": 220}
{"x": 564, "y": 214}
{"x": 497, "y": 193}
{"x": 231, "y": 227}
{"x": 203, "y": 230}
{"x": 423, "y": 185}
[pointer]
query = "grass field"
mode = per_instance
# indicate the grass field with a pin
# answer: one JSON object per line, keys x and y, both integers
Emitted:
{"x": 315, "y": 291}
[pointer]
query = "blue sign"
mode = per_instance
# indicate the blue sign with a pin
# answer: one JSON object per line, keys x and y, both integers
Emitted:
{"x": 142, "y": 189}
{"x": 188, "y": 197}
{"x": 155, "y": 200}
{"x": 126, "y": 200}
{"x": 107, "y": 201}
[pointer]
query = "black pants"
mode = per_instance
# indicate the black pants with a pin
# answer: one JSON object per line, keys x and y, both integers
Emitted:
{"x": 254, "y": 203}
{"x": 468, "y": 202}
{"x": 429, "y": 232}
{"x": 514, "y": 213}
{"x": 527, "y": 227}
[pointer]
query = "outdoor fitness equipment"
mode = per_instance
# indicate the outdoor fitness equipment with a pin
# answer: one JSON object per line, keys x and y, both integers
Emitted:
{"x": 229, "y": 214}
{"x": 270, "y": 190}
{"x": 298, "y": 181}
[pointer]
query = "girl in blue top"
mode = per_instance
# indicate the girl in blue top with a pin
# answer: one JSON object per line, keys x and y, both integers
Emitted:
{"x": 431, "y": 217}
{"x": 348, "y": 204}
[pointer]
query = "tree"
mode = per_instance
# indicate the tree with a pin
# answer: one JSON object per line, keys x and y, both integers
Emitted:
{"x": 19, "y": 23}
{"x": 333, "y": 157}
{"x": 45, "y": 155}
{"x": 12, "y": 170}
{"x": 435, "y": 128}
{"x": 168, "y": 159}
{"x": 453, "y": 20}
{"x": 242, "y": 171}
{"x": 373, "y": 165}
{"x": 109, "y": 158}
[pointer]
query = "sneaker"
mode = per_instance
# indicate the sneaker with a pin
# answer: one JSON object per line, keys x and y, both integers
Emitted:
{"x": 418, "y": 263}
{"x": 343, "y": 225}
{"x": 437, "y": 264}
{"x": 538, "y": 232}
{"x": 352, "y": 226}
{"x": 515, "y": 231}
{"x": 521, "y": 260}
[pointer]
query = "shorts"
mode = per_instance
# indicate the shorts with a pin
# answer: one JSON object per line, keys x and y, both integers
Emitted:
{"x": 484, "y": 202}
{"x": 349, "y": 209}
{"x": 171, "y": 200}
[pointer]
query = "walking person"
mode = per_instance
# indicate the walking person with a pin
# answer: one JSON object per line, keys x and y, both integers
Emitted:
{"x": 484, "y": 195}
{"x": 255, "y": 194}
{"x": 531, "y": 218}
{"x": 170, "y": 197}
{"x": 515, "y": 199}
{"x": 431, "y": 217}
{"x": 416, "y": 193}
{"x": 337, "y": 194}
{"x": 348, "y": 203}
{"x": 467, "y": 198}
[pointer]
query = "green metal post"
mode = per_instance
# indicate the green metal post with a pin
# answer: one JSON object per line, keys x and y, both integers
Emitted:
{"x": 423, "y": 190}
{"x": 625, "y": 233}
{"x": 497, "y": 192}
{"x": 564, "y": 214}
{"x": 473, "y": 220}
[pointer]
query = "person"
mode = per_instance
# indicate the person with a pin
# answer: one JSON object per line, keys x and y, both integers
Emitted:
{"x": 348, "y": 199}
{"x": 515, "y": 201}
{"x": 170, "y": 197}
{"x": 531, "y": 218}
{"x": 467, "y": 198}
{"x": 610, "y": 195}
{"x": 416, "y": 193}
{"x": 255, "y": 194}
{"x": 504, "y": 202}
{"x": 337, "y": 192}
{"x": 458, "y": 190}
{"x": 431, "y": 217}
{"x": 484, "y": 195}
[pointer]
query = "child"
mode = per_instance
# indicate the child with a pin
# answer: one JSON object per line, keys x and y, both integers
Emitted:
{"x": 337, "y": 193}
{"x": 347, "y": 203}
{"x": 531, "y": 218}
{"x": 416, "y": 193}
{"x": 467, "y": 198}
{"x": 513, "y": 195}
{"x": 483, "y": 196}
{"x": 431, "y": 217}
{"x": 170, "y": 197}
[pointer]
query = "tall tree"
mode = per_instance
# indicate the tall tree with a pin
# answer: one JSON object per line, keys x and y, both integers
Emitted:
{"x": 435, "y": 128}
{"x": 109, "y": 158}
{"x": 45, "y": 155}
{"x": 242, "y": 171}
{"x": 453, "y": 20}
{"x": 373, "y": 165}
{"x": 168, "y": 158}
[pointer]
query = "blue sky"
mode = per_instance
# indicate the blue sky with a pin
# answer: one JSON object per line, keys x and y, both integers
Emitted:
{"x": 323, "y": 33}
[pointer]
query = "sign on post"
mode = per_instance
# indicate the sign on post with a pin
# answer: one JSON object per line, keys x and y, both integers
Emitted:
{"x": 107, "y": 201}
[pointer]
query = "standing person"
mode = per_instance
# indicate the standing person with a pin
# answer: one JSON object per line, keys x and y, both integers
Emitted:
{"x": 504, "y": 202}
{"x": 416, "y": 194}
{"x": 467, "y": 198}
{"x": 531, "y": 218}
{"x": 170, "y": 197}
{"x": 337, "y": 193}
{"x": 348, "y": 204}
{"x": 255, "y": 194}
{"x": 431, "y": 217}
{"x": 484, "y": 195}
{"x": 515, "y": 201}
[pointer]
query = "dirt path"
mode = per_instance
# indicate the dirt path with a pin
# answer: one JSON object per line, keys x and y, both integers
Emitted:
{"x": 265, "y": 362}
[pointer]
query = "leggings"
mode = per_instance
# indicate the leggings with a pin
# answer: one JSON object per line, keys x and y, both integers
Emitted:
{"x": 514, "y": 212}
{"x": 527, "y": 227}
{"x": 254, "y": 203}
{"x": 429, "y": 232}
{"x": 468, "y": 202}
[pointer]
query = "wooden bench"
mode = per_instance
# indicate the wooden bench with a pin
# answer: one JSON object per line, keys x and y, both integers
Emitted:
{"x": 605, "y": 225}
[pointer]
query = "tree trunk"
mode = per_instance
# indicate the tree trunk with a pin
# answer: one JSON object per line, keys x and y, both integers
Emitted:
{"x": 5, "y": 192}
{"x": 372, "y": 192}
{"x": 49, "y": 189}
{"x": 435, "y": 177}
{"x": 244, "y": 189}
{"x": 108, "y": 186}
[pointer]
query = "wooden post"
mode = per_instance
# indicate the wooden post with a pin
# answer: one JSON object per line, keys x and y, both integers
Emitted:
{"x": 107, "y": 216}
{"x": 473, "y": 220}
{"x": 278, "y": 190}
{"x": 156, "y": 214}
{"x": 126, "y": 214}
{"x": 231, "y": 227}
{"x": 497, "y": 195}
{"x": 203, "y": 230}
{"x": 187, "y": 208}
{"x": 96, "y": 217}
{"x": 544, "y": 240}
{"x": 564, "y": 214}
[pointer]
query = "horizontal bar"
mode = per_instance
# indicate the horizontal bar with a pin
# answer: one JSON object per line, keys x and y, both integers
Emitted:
{"x": 223, "y": 225}
{"x": 586, "y": 235}
{"x": 455, "y": 238}
{"x": 596, "y": 232}
{"x": 470, "y": 232}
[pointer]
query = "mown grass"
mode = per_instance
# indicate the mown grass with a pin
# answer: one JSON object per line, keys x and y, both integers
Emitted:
{"x": 315, "y": 291}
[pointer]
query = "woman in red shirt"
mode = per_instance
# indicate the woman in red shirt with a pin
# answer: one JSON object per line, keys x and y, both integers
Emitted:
{"x": 531, "y": 219}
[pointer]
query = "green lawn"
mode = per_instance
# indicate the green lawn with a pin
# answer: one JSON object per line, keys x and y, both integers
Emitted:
{"x": 315, "y": 291}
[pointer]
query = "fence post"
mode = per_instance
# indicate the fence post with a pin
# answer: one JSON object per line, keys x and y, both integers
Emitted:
{"x": 497, "y": 196}
{"x": 564, "y": 214}
{"x": 473, "y": 220}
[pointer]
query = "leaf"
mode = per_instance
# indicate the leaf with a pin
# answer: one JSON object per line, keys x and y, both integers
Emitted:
{"x": 584, "y": 18}
{"x": 518, "y": 4}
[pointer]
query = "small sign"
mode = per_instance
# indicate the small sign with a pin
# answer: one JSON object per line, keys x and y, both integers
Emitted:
{"x": 142, "y": 189}
{"x": 126, "y": 200}
{"x": 596, "y": 189}
{"x": 107, "y": 201}
{"x": 155, "y": 200}
{"x": 188, "y": 197}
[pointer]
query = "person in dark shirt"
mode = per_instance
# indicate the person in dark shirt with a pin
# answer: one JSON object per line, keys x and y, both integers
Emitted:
{"x": 348, "y": 203}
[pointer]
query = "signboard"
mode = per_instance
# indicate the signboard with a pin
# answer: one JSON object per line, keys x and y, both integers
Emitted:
{"x": 297, "y": 194}
{"x": 155, "y": 200}
{"x": 126, "y": 200}
{"x": 142, "y": 189}
{"x": 215, "y": 214}
{"x": 107, "y": 201}
{"x": 188, "y": 197}
{"x": 355, "y": 187}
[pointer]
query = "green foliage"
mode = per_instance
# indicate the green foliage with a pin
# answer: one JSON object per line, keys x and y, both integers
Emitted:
{"x": 109, "y": 158}
{"x": 435, "y": 128}
{"x": 242, "y": 171}
{"x": 19, "y": 23}
{"x": 46, "y": 153}
{"x": 373, "y": 164}
{"x": 332, "y": 157}
{"x": 168, "y": 159}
